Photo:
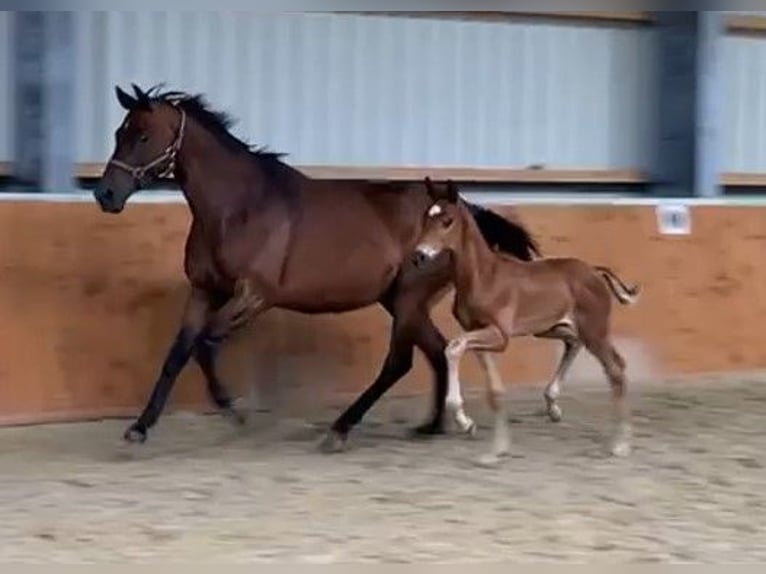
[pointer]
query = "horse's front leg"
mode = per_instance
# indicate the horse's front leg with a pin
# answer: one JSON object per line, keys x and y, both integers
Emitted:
{"x": 192, "y": 324}
{"x": 245, "y": 303}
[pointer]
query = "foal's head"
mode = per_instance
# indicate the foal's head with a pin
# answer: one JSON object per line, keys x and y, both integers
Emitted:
{"x": 441, "y": 227}
{"x": 146, "y": 144}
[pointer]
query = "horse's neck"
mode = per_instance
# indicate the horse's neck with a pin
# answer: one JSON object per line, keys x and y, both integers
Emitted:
{"x": 213, "y": 179}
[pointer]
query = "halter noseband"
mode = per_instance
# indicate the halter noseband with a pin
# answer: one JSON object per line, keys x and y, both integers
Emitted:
{"x": 139, "y": 172}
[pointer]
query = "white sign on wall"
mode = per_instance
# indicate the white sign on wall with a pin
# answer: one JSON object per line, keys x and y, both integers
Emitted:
{"x": 674, "y": 219}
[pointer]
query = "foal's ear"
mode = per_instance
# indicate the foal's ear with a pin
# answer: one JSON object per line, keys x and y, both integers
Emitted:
{"x": 431, "y": 189}
{"x": 452, "y": 194}
{"x": 127, "y": 101}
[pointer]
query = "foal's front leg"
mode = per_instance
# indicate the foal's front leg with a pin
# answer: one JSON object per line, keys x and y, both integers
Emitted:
{"x": 490, "y": 339}
{"x": 501, "y": 442}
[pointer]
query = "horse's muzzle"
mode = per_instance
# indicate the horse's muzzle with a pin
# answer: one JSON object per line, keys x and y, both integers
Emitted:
{"x": 107, "y": 201}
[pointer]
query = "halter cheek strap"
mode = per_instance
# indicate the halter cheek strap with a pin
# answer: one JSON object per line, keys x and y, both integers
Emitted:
{"x": 139, "y": 172}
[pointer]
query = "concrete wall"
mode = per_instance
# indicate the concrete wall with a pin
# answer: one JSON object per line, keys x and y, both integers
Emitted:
{"x": 89, "y": 307}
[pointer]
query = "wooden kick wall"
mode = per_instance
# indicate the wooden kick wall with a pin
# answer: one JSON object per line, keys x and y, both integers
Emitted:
{"x": 89, "y": 304}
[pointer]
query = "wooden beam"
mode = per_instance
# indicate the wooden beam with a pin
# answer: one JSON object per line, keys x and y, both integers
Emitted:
{"x": 466, "y": 174}
{"x": 748, "y": 25}
{"x": 744, "y": 179}
{"x": 497, "y": 16}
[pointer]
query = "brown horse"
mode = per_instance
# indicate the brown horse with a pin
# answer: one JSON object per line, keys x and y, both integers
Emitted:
{"x": 265, "y": 236}
{"x": 498, "y": 296}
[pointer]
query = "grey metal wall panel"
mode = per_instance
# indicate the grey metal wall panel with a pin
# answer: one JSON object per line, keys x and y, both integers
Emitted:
{"x": 6, "y": 87}
{"x": 361, "y": 90}
{"x": 744, "y": 124}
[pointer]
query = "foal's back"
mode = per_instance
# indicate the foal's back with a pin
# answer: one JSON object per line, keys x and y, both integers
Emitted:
{"x": 545, "y": 291}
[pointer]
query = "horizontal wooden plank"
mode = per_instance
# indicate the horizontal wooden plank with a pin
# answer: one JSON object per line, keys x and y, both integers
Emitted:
{"x": 744, "y": 179}
{"x": 500, "y": 16}
{"x": 745, "y": 24}
{"x": 467, "y": 174}
{"x": 89, "y": 171}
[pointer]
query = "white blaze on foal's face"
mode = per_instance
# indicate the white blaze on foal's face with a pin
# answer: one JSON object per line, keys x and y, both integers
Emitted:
{"x": 435, "y": 230}
{"x": 435, "y": 210}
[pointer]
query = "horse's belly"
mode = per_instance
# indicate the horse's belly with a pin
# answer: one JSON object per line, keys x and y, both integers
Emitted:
{"x": 323, "y": 289}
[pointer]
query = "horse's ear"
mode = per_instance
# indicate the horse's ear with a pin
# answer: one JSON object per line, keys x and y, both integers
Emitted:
{"x": 452, "y": 192}
{"x": 142, "y": 98}
{"x": 126, "y": 101}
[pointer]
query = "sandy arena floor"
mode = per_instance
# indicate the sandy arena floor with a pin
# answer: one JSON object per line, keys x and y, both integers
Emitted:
{"x": 694, "y": 488}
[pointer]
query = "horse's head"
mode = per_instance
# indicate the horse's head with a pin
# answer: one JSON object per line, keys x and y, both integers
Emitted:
{"x": 441, "y": 227}
{"x": 145, "y": 148}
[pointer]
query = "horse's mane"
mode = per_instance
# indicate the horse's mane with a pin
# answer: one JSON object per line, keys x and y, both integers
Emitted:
{"x": 218, "y": 123}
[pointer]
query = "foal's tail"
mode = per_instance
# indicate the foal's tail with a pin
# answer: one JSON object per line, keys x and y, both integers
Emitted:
{"x": 624, "y": 294}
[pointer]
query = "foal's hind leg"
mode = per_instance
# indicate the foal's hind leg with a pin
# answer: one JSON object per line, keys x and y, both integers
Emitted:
{"x": 614, "y": 367}
{"x": 572, "y": 345}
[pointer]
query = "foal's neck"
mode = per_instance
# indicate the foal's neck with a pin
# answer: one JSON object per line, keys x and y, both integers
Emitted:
{"x": 474, "y": 259}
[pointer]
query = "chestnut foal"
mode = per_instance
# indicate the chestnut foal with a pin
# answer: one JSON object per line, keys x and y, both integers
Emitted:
{"x": 499, "y": 296}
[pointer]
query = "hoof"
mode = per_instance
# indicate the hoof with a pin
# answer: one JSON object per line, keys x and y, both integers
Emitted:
{"x": 236, "y": 416}
{"x": 470, "y": 430}
{"x": 333, "y": 442}
{"x": 621, "y": 449}
{"x": 135, "y": 434}
{"x": 428, "y": 429}
{"x": 490, "y": 460}
{"x": 554, "y": 413}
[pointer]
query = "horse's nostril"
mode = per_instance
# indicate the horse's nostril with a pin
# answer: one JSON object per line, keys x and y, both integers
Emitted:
{"x": 108, "y": 194}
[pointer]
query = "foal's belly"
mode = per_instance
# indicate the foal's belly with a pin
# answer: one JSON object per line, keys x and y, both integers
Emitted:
{"x": 537, "y": 311}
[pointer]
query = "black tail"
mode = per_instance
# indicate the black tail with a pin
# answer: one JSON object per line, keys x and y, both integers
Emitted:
{"x": 502, "y": 234}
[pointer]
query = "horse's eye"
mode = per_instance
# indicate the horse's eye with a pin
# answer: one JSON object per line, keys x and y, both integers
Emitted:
{"x": 446, "y": 222}
{"x": 144, "y": 138}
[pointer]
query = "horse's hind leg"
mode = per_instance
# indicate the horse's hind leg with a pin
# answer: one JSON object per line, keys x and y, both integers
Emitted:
{"x": 206, "y": 355}
{"x": 432, "y": 344}
{"x": 572, "y": 345}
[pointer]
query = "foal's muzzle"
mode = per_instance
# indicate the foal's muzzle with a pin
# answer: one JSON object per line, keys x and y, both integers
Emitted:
{"x": 423, "y": 254}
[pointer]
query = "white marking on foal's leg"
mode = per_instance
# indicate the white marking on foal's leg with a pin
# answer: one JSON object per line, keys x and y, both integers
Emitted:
{"x": 553, "y": 389}
{"x": 622, "y": 438}
{"x": 454, "y": 400}
{"x": 501, "y": 443}
{"x": 552, "y": 392}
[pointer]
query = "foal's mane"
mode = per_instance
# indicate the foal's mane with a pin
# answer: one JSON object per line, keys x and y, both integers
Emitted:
{"x": 218, "y": 123}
